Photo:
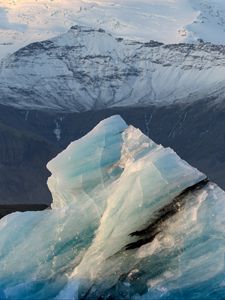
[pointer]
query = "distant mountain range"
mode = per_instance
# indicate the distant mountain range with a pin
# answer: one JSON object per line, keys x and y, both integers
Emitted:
{"x": 88, "y": 69}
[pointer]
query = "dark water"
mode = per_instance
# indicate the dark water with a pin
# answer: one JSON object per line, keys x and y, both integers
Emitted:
{"x": 11, "y": 208}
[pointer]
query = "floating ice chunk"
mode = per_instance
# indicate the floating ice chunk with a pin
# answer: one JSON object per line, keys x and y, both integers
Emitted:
{"x": 129, "y": 220}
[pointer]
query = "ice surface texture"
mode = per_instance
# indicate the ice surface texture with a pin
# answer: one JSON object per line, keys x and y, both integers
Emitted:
{"x": 129, "y": 220}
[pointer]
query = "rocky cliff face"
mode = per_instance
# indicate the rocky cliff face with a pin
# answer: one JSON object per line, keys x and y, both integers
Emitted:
{"x": 88, "y": 69}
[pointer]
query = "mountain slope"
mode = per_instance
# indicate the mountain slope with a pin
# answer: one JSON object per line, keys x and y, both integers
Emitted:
{"x": 88, "y": 69}
{"x": 26, "y": 21}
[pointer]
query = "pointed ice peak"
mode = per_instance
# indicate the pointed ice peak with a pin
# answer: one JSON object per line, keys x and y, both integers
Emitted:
{"x": 135, "y": 146}
{"x": 114, "y": 123}
{"x": 86, "y": 163}
{"x": 111, "y": 148}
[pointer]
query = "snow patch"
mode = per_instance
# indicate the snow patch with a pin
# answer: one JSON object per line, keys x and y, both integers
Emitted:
{"x": 168, "y": 21}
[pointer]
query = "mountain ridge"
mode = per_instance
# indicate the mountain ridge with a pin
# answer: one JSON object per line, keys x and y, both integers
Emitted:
{"x": 88, "y": 68}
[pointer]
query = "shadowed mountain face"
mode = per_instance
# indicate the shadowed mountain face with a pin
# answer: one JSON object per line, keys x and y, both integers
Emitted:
{"x": 29, "y": 139}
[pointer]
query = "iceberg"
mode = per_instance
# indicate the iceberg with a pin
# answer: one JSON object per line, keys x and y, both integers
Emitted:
{"x": 129, "y": 220}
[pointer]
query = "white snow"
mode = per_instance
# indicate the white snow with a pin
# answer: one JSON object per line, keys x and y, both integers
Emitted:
{"x": 87, "y": 69}
{"x": 168, "y": 21}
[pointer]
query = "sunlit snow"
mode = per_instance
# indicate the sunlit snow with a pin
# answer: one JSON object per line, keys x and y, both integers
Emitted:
{"x": 168, "y": 21}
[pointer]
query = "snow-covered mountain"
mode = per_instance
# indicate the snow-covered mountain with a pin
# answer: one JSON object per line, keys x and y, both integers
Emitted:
{"x": 168, "y": 21}
{"x": 88, "y": 69}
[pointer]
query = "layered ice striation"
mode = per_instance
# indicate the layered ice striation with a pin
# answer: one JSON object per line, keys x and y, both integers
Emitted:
{"x": 129, "y": 220}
